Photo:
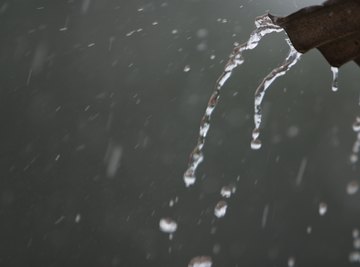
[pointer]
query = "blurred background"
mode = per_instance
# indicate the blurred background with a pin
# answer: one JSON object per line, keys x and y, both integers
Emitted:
{"x": 100, "y": 107}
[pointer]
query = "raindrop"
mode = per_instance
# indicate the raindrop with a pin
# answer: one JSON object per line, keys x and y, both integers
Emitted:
{"x": 354, "y": 256}
{"x": 201, "y": 261}
{"x": 352, "y": 187}
{"x": 78, "y": 218}
{"x": 168, "y": 225}
{"x": 291, "y": 262}
{"x": 187, "y": 68}
{"x": 356, "y": 243}
{"x": 220, "y": 209}
{"x": 355, "y": 233}
{"x": 322, "y": 208}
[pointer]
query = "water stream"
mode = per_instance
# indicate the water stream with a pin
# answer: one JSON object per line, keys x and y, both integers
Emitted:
{"x": 264, "y": 26}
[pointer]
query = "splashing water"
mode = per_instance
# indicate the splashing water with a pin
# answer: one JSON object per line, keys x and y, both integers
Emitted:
{"x": 334, "y": 84}
{"x": 264, "y": 26}
{"x": 290, "y": 61}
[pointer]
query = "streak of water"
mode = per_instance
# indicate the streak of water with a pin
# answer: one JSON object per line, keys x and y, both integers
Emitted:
{"x": 264, "y": 26}
{"x": 290, "y": 61}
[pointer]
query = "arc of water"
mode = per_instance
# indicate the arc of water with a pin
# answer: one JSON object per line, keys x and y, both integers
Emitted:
{"x": 264, "y": 26}
{"x": 292, "y": 58}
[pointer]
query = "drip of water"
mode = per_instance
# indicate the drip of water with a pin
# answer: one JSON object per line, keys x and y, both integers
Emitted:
{"x": 292, "y": 58}
{"x": 334, "y": 84}
{"x": 264, "y": 26}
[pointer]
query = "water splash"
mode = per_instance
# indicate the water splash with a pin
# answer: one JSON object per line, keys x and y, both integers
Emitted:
{"x": 264, "y": 26}
{"x": 292, "y": 58}
{"x": 334, "y": 84}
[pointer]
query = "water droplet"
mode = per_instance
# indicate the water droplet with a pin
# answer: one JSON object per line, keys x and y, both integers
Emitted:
{"x": 78, "y": 218}
{"x": 353, "y": 158}
{"x": 356, "y": 243}
{"x": 216, "y": 249}
{"x": 255, "y": 144}
{"x": 354, "y": 256}
{"x": 255, "y": 133}
{"x": 334, "y": 85}
{"x": 356, "y": 125}
{"x": 187, "y": 68}
{"x": 352, "y": 187}
{"x": 167, "y": 225}
{"x": 322, "y": 208}
{"x": 201, "y": 261}
{"x": 355, "y": 233}
{"x": 227, "y": 191}
{"x": 309, "y": 229}
{"x": 189, "y": 178}
{"x": 291, "y": 262}
{"x": 220, "y": 209}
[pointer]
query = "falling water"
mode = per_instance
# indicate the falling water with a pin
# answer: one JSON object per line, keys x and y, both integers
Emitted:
{"x": 264, "y": 26}
{"x": 290, "y": 61}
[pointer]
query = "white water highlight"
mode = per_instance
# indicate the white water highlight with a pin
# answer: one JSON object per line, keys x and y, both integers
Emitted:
{"x": 334, "y": 84}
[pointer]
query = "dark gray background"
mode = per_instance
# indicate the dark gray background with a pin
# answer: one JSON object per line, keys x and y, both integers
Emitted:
{"x": 71, "y": 97}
